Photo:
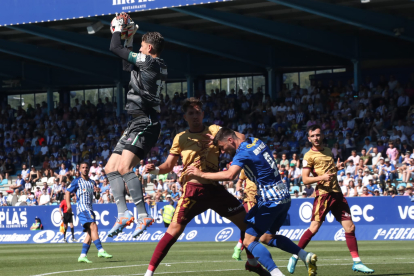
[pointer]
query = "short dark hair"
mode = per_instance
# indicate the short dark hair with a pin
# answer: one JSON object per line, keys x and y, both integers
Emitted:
{"x": 313, "y": 128}
{"x": 223, "y": 133}
{"x": 155, "y": 39}
{"x": 83, "y": 163}
{"x": 191, "y": 102}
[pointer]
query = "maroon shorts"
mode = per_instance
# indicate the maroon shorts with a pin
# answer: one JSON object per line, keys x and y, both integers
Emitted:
{"x": 198, "y": 198}
{"x": 248, "y": 205}
{"x": 334, "y": 202}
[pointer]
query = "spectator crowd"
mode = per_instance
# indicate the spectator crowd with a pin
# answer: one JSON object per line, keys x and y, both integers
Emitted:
{"x": 370, "y": 128}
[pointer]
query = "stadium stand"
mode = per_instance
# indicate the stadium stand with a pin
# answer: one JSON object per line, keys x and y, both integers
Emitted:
{"x": 374, "y": 120}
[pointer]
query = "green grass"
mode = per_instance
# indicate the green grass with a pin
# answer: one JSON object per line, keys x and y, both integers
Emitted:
{"x": 386, "y": 257}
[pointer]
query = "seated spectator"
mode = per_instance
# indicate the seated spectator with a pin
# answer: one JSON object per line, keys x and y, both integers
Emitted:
{"x": 351, "y": 168}
{"x": 25, "y": 171}
{"x": 304, "y": 195}
{"x": 44, "y": 198}
{"x": 105, "y": 197}
{"x": 284, "y": 161}
{"x": 2, "y": 200}
{"x": 62, "y": 172}
{"x": 354, "y": 157}
{"x": 296, "y": 194}
{"x": 19, "y": 184}
{"x": 22, "y": 197}
{"x": 401, "y": 191}
{"x": 175, "y": 194}
{"x": 359, "y": 187}
{"x": 295, "y": 175}
{"x": 388, "y": 171}
{"x": 392, "y": 153}
{"x": 309, "y": 190}
{"x": 344, "y": 188}
{"x": 377, "y": 192}
{"x": 365, "y": 192}
{"x": 34, "y": 175}
{"x": 372, "y": 186}
{"x": 27, "y": 185}
{"x": 31, "y": 200}
{"x": 409, "y": 191}
{"x": 347, "y": 179}
{"x": 390, "y": 192}
{"x": 352, "y": 190}
{"x": 367, "y": 176}
{"x": 105, "y": 186}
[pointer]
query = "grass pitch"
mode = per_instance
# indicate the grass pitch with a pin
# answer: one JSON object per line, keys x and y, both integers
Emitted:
{"x": 187, "y": 258}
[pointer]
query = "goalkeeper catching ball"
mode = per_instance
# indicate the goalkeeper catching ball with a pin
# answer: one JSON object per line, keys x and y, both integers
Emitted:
{"x": 148, "y": 72}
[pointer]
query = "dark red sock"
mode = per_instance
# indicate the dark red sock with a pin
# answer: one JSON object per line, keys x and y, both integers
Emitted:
{"x": 241, "y": 239}
{"x": 352, "y": 244}
{"x": 249, "y": 254}
{"x": 161, "y": 251}
{"x": 305, "y": 239}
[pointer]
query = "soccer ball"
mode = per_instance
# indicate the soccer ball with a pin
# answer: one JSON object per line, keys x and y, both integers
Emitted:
{"x": 127, "y": 26}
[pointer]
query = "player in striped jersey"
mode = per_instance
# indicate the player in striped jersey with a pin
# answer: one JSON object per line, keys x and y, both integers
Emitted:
{"x": 83, "y": 187}
{"x": 273, "y": 198}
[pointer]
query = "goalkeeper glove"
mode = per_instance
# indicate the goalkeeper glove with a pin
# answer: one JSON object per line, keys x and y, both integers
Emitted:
{"x": 131, "y": 29}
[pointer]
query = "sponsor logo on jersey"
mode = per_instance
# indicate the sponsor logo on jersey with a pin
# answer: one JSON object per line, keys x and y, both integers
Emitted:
{"x": 224, "y": 234}
{"x": 340, "y": 235}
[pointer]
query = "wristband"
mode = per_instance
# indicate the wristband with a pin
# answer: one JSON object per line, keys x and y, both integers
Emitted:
{"x": 156, "y": 171}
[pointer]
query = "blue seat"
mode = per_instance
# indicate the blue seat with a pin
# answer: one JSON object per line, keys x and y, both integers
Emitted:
{"x": 4, "y": 182}
{"x": 294, "y": 188}
{"x": 19, "y": 172}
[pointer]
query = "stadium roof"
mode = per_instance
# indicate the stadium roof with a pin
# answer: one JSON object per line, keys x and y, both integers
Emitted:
{"x": 210, "y": 40}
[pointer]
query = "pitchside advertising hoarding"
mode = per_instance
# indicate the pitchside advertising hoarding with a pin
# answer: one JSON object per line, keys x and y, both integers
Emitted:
{"x": 34, "y": 11}
{"x": 382, "y": 218}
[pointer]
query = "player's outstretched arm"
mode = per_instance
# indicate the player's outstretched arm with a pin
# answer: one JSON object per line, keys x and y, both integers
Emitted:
{"x": 164, "y": 168}
{"x": 228, "y": 175}
{"x": 307, "y": 179}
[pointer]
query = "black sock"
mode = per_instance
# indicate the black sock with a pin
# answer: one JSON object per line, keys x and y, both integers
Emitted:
{"x": 73, "y": 232}
{"x": 64, "y": 235}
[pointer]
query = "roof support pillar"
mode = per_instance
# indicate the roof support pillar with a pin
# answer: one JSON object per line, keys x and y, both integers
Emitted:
{"x": 190, "y": 86}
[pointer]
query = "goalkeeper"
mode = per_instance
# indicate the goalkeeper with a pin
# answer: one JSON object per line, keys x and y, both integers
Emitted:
{"x": 148, "y": 72}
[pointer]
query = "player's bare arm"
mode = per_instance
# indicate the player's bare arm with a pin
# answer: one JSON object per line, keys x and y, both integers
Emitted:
{"x": 165, "y": 167}
{"x": 67, "y": 199}
{"x": 307, "y": 179}
{"x": 228, "y": 175}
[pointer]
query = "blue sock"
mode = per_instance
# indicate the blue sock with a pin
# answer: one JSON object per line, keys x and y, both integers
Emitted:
{"x": 85, "y": 248}
{"x": 262, "y": 254}
{"x": 98, "y": 244}
{"x": 285, "y": 244}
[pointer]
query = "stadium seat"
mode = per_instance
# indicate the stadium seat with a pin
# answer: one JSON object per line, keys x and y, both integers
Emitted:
{"x": 51, "y": 180}
{"x": 44, "y": 179}
{"x": 4, "y": 182}
{"x": 293, "y": 189}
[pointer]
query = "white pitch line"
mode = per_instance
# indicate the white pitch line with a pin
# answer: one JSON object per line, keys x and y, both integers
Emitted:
{"x": 113, "y": 267}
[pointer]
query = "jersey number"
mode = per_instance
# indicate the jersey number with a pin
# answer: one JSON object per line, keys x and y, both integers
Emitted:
{"x": 271, "y": 162}
{"x": 160, "y": 86}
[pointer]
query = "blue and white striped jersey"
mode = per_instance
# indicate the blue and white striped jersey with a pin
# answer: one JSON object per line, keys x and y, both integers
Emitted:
{"x": 256, "y": 159}
{"x": 84, "y": 193}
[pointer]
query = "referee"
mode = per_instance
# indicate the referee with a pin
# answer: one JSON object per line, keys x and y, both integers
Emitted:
{"x": 67, "y": 218}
